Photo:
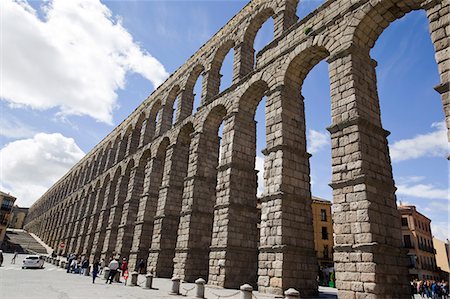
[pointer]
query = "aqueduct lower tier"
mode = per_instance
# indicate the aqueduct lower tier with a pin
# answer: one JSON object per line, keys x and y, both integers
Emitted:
{"x": 154, "y": 189}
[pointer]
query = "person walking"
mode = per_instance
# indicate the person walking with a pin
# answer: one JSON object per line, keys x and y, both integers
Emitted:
{"x": 95, "y": 269}
{"x": 141, "y": 267}
{"x": 1, "y": 257}
{"x": 124, "y": 266}
{"x": 69, "y": 262}
{"x": 102, "y": 266}
{"x": 84, "y": 266}
{"x": 13, "y": 261}
{"x": 113, "y": 266}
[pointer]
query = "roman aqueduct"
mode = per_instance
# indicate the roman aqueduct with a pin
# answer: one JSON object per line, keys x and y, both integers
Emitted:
{"x": 154, "y": 188}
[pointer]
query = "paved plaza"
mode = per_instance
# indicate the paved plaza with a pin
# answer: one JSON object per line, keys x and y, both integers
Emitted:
{"x": 54, "y": 283}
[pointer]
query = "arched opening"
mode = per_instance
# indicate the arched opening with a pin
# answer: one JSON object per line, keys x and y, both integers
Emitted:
{"x": 418, "y": 141}
{"x": 116, "y": 210}
{"x": 169, "y": 203}
{"x": 152, "y": 122}
{"x": 199, "y": 197}
{"x": 220, "y": 74}
{"x": 135, "y": 139}
{"x": 98, "y": 235}
{"x": 145, "y": 228}
{"x": 315, "y": 91}
{"x": 192, "y": 95}
{"x": 258, "y": 34}
{"x": 91, "y": 219}
{"x": 305, "y": 7}
{"x": 175, "y": 106}
{"x": 197, "y": 94}
{"x": 236, "y": 197}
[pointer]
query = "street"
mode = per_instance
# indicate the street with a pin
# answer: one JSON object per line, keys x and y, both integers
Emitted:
{"x": 53, "y": 282}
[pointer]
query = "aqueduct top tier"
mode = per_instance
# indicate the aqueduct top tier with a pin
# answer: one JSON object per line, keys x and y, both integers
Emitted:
{"x": 154, "y": 189}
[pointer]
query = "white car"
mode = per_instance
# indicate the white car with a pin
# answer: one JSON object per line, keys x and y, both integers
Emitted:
{"x": 33, "y": 261}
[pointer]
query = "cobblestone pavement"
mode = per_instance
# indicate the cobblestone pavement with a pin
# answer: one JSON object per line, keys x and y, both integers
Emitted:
{"x": 54, "y": 283}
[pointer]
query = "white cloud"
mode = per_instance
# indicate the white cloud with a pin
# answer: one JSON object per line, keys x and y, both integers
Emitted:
{"x": 75, "y": 58}
{"x": 434, "y": 144}
{"x": 317, "y": 141}
{"x": 30, "y": 166}
{"x": 259, "y": 165}
{"x": 11, "y": 127}
{"x": 440, "y": 229}
{"x": 423, "y": 191}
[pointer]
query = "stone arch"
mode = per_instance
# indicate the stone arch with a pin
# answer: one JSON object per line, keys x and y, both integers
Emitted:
{"x": 135, "y": 140}
{"x": 367, "y": 31}
{"x": 152, "y": 121}
{"x": 170, "y": 115}
{"x": 213, "y": 76}
{"x": 104, "y": 204}
{"x": 111, "y": 240}
{"x": 169, "y": 203}
{"x": 246, "y": 48}
{"x": 187, "y": 97}
{"x": 125, "y": 143}
{"x": 199, "y": 198}
{"x": 131, "y": 205}
{"x": 113, "y": 153}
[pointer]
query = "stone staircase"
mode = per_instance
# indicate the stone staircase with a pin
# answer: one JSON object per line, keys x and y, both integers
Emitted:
{"x": 22, "y": 242}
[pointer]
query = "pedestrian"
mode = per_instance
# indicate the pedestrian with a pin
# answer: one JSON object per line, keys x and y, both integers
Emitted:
{"x": 102, "y": 266}
{"x": 84, "y": 266}
{"x": 95, "y": 269}
{"x": 13, "y": 261}
{"x": 141, "y": 267}
{"x": 69, "y": 262}
{"x": 113, "y": 266}
{"x": 73, "y": 266}
{"x": 124, "y": 266}
{"x": 1, "y": 257}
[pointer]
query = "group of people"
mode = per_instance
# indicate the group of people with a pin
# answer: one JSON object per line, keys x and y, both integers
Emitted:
{"x": 430, "y": 289}
{"x": 80, "y": 266}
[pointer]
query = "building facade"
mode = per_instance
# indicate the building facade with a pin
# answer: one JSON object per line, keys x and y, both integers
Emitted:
{"x": 18, "y": 216}
{"x": 6, "y": 206}
{"x": 442, "y": 257}
{"x": 418, "y": 239}
{"x": 323, "y": 232}
{"x": 156, "y": 189}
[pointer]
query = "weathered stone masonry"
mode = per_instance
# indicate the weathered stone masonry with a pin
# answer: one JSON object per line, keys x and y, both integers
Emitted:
{"x": 154, "y": 189}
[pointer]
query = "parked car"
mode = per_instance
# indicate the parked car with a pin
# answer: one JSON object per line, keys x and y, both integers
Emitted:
{"x": 33, "y": 261}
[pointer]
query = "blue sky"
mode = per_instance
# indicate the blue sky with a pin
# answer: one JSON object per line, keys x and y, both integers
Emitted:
{"x": 80, "y": 69}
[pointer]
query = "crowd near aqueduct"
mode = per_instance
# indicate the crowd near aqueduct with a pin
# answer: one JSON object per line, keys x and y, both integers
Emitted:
{"x": 156, "y": 189}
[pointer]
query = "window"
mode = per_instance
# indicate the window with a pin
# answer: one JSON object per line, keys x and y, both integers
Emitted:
{"x": 404, "y": 221}
{"x": 323, "y": 215}
{"x": 324, "y": 233}
{"x": 407, "y": 241}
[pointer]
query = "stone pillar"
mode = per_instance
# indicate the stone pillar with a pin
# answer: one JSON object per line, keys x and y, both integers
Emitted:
{"x": 143, "y": 227}
{"x": 196, "y": 220}
{"x": 115, "y": 214}
{"x": 130, "y": 207}
{"x": 285, "y": 16}
{"x": 90, "y": 199}
{"x": 233, "y": 255}
{"x": 168, "y": 210}
{"x": 68, "y": 227}
{"x": 287, "y": 257}
{"x": 100, "y": 231}
{"x": 369, "y": 259}
{"x": 93, "y": 221}
{"x": 439, "y": 19}
{"x": 75, "y": 224}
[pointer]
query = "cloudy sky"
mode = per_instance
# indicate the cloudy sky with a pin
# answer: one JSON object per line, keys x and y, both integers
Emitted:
{"x": 73, "y": 70}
